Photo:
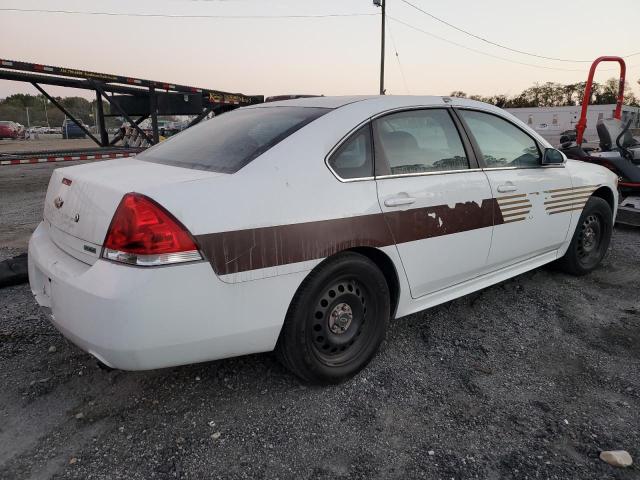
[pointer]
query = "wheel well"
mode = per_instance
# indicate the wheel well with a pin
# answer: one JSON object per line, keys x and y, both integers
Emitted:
{"x": 606, "y": 194}
{"x": 388, "y": 269}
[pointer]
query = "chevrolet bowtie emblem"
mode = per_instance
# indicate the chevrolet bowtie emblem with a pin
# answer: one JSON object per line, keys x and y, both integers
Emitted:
{"x": 58, "y": 202}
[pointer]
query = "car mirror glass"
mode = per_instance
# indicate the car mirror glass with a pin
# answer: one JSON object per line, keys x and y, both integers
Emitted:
{"x": 552, "y": 157}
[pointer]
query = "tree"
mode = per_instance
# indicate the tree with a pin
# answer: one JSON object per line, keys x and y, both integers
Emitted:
{"x": 552, "y": 94}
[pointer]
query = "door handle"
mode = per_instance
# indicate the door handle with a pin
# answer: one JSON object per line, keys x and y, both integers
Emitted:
{"x": 399, "y": 201}
{"x": 507, "y": 187}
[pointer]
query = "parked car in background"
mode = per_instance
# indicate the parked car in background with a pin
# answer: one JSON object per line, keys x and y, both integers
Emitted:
{"x": 271, "y": 227}
{"x": 70, "y": 129}
{"x": 8, "y": 130}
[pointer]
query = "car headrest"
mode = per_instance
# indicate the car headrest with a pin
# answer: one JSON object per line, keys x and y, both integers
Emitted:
{"x": 400, "y": 141}
{"x": 609, "y": 130}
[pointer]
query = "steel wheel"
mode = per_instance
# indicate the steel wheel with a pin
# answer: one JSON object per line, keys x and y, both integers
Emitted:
{"x": 340, "y": 322}
{"x": 589, "y": 240}
{"x": 336, "y": 321}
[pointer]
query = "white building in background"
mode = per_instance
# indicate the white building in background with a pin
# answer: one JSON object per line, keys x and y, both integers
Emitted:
{"x": 550, "y": 122}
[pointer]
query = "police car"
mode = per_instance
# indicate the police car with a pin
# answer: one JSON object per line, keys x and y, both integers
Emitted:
{"x": 304, "y": 226}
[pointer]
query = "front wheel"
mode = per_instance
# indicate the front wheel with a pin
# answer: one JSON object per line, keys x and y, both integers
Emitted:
{"x": 336, "y": 320}
{"x": 590, "y": 240}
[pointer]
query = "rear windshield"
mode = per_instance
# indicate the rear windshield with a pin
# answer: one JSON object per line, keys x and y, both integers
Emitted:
{"x": 228, "y": 142}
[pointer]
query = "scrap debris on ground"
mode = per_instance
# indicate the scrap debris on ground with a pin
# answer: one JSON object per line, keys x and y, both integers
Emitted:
{"x": 531, "y": 378}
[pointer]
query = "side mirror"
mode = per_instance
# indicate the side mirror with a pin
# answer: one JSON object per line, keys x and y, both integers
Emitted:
{"x": 552, "y": 157}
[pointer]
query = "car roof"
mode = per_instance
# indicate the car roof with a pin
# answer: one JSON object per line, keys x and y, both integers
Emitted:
{"x": 381, "y": 102}
{"x": 320, "y": 102}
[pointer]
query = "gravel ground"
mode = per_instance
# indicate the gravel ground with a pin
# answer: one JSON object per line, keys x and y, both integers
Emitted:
{"x": 528, "y": 379}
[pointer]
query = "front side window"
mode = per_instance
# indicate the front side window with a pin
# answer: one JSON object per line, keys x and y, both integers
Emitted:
{"x": 228, "y": 142}
{"x": 501, "y": 143}
{"x": 418, "y": 141}
{"x": 354, "y": 159}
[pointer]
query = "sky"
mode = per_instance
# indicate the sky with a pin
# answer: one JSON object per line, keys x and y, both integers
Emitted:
{"x": 328, "y": 55}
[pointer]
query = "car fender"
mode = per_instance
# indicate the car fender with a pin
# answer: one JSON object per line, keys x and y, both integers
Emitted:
{"x": 585, "y": 175}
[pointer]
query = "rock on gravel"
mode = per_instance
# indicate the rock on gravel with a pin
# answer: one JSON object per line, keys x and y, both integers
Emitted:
{"x": 617, "y": 458}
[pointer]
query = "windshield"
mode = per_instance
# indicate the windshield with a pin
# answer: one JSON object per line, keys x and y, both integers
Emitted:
{"x": 228, "y": 142}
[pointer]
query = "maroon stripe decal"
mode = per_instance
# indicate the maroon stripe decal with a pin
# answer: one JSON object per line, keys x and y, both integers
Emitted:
{"x": 422, "y": 223}
{"x": 252, "y": 249}
{"x": 242, "y": 250}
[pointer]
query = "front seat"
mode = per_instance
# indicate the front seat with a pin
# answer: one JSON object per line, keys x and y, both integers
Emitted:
{"x": 609, "y": 130}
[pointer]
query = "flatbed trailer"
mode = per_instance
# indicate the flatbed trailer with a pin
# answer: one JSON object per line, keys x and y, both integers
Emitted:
{"x": 55, "y": 156}
{"x": 134, "y": 99}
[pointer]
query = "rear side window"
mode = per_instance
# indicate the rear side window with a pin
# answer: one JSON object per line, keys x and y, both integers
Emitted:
{"x": 228, "y": 142}
{"x": 501, "y": 143}
{"x": 418, "y": 141}
{"x": 354, "y": 158}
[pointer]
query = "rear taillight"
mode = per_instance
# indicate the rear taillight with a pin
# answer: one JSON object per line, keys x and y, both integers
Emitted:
{"x": 144, "y": 233}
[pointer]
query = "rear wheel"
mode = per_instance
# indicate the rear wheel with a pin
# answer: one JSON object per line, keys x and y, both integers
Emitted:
{"x": 336, "y": 321}
{"x": 590, "y": 240}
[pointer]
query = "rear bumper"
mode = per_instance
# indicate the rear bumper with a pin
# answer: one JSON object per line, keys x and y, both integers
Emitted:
{"x": 135, "y": 318}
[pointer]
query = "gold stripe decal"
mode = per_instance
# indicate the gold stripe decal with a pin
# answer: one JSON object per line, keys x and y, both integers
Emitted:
{"x": 507, "y": 197}
{"x": 517, "y": 207}
{"x": 569, "y": 189}
{"x": 514, "y": 202}
{"x": 511, "y": 220}
{"x": 561, "y": 200}
{"x": 515, "y": 214}
{"x": 566, "y": 205}
{"x": 514, "y": 208}
{"x": 561, "y": 195}
{"x": 520, "y": 207}
{"x": 569, "y": 199}
{"x": 565, "y": 210}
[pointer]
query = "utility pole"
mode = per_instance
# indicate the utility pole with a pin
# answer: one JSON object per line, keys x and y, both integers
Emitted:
{"x": 382, "y": 4}
{"x": 44, "y": 100}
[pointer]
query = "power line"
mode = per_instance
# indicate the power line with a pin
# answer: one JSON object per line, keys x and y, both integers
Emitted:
{"x": 629, "y": 67}
{"x": 160, "y": 15}
{"x": 500, "y": 45}
{"x": 442, "y": 39}
{"x": 395, "y": 49}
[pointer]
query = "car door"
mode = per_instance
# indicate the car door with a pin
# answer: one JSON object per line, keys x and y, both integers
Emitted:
{"x": 435, "y": 200}
{"x": 530, "y": 196}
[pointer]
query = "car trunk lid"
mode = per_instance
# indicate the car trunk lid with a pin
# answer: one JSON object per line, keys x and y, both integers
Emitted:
{"x": 81, "y": 200}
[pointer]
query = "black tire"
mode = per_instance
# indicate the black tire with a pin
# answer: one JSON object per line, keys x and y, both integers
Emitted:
{"x": 336, "y": 321}
{"x": 591, "y": 239}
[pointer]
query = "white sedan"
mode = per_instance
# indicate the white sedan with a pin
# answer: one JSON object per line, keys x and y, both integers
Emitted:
{"x": 304, "y": 226}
